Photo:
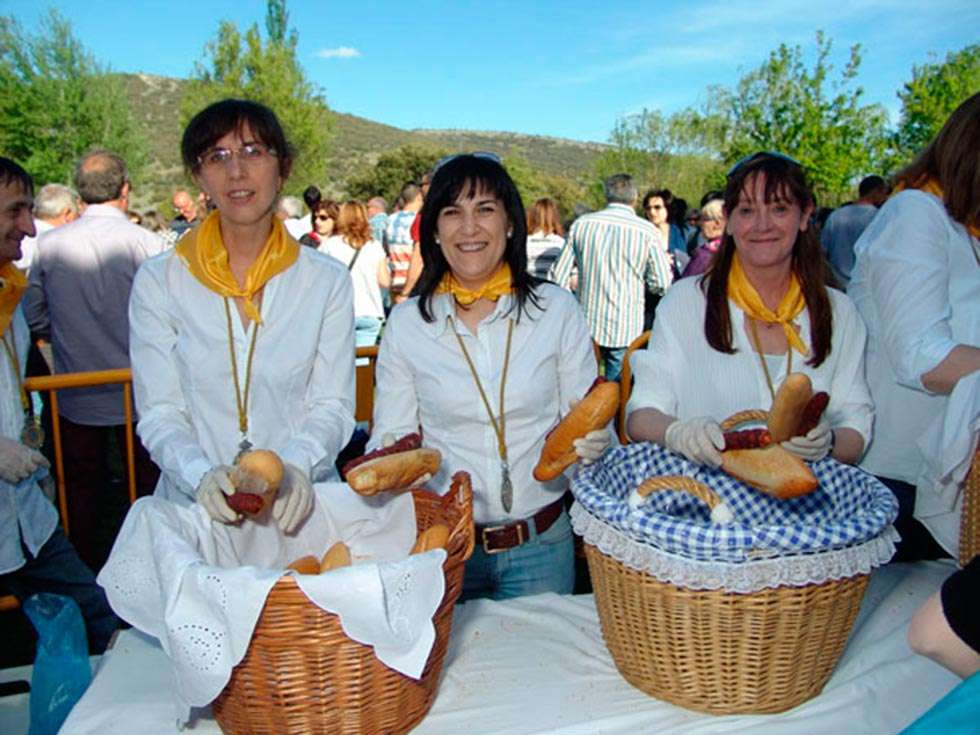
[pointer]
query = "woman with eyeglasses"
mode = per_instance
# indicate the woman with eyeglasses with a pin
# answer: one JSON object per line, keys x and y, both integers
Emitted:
{"x": 239, "y": 337}
{"x": 766, "y": 312}
{"x": 712, "y": 222}
{"x": 364, "y": 258}
{"x": 485, "y": 359}
{"x": 916, "y": 282}
{"x": 323, "y": 215}
{"x": 657, "y": 210}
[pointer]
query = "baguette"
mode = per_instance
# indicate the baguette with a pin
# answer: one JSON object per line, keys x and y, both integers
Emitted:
{"x": 306, "y": 565}
{"x": 771, "y": 470}
{"x": 434, "y": 537}
{"x": 398, "y": 471}
{"x": 788, "y": 405}
{"x": 593, "y": 412}
{"x": 337, "y": 556}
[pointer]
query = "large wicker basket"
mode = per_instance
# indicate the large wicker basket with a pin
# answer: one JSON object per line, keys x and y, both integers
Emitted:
{"x": 717, "y": 651}
{"x": 302, "y": 674}
{"x": 970, "y": 518}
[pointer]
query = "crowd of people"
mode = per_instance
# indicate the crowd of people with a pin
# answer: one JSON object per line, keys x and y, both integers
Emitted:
{"x": 240, "y": 316}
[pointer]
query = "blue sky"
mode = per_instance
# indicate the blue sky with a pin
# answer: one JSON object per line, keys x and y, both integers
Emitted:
{"x": 567, "y": 69}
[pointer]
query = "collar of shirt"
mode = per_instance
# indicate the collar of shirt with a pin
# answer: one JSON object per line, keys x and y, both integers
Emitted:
{"x": 621, "y": 207}
{"x": 103, "y": 210}
{"x": 443, "y": 311}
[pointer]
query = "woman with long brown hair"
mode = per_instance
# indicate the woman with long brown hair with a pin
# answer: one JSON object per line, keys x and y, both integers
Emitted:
{"x": 765, "y": 311}
{"x": 545, "y": 237}
{"x": 364, "y": 258}
{"x": 916, "y": 282}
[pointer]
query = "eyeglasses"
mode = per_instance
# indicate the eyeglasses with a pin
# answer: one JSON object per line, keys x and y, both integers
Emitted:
{"x": 248, "y": 153}
{"x": 653, "y": 207}
{"x": 486, "y": 155}
{"x": 323, "y": 217}
{"x": 760, "y": 154}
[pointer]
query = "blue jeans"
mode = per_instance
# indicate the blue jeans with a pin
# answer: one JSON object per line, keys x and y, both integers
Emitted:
{"x": 544, "y": 563}
{"x": 366, "y": 331}
{"x": 612, "y": 361}
{"x": 58, "y": 569}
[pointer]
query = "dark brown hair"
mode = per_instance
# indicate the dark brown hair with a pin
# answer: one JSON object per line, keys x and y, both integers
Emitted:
{"x": 784, "y": 179}
{"x": 953, "y": 159}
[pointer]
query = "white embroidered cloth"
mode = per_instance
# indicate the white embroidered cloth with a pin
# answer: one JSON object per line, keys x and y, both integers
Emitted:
{"x": 199, "y": 586}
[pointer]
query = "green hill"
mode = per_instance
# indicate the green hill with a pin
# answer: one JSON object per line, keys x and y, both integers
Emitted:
{"x": 356, "y": 142}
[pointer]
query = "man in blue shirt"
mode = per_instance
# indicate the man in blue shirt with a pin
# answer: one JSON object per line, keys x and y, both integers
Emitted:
{"x": 845, "y": 225}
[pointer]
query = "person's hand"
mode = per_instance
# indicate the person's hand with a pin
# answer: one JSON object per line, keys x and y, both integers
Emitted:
{"x": 212, "y": 491}
{"x": 700, "y": 440}
{"x": 294, "y": 501}
{"x": 18, "y": 461}
{"x": 591, "y": 446}
{"x": 815, "y": 445}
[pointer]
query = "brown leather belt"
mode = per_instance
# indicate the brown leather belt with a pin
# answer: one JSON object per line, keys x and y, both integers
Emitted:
{"x": 500, "y": 538}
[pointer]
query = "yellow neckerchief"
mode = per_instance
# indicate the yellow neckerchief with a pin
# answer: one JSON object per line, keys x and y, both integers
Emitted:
{"x": 496, "y": 286}
{"x": 204, "y": 253}
{"x": 13, "y": 282}
{"x": 931, "y": 186}
{"x": 748, "y": 300}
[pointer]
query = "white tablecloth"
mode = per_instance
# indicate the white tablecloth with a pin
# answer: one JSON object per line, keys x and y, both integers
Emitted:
{"x": 539, "y": 665}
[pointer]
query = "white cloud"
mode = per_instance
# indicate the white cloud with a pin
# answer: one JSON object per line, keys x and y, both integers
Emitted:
{"x": 341, "y": 52}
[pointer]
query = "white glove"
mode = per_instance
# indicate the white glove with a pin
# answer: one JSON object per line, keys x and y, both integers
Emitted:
{"x": 294, "y": 500}
{"x": 211, "y": 492}
{"x": 591, "y": 446}
{"x": 700, "y": 440}
{"x": 815, "y": 445}
{"x": 18, "y": 461}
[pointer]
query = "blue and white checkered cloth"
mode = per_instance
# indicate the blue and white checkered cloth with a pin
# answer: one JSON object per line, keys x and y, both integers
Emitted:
{"x": 849, "y": 507}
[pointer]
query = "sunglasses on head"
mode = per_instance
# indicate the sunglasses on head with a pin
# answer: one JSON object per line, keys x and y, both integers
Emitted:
{"x": 761, "y": 154}
{"x": 486, "y": 155}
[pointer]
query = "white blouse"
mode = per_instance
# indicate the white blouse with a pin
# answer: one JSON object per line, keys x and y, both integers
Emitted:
{"x": 681, "y": 375}
{"x": 423, "y": 380}
{"x": 301, "y": 400}
{"x": 364, "y": 274}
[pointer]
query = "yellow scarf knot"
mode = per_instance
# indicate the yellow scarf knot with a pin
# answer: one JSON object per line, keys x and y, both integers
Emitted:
{"x": 13, "y": 283}
{"x": 499, "y": 284}
{"x": 743, "y": 293}
{"x": 204, "y": 253}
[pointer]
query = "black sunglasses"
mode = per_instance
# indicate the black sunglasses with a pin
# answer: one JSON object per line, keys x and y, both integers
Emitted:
{"x": 761, "y": 154}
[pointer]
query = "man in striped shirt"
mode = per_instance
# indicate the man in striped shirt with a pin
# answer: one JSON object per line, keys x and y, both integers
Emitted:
{"x": 616, "y": 252}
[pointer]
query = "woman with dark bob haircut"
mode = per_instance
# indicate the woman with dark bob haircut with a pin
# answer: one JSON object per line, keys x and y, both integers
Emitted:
{"x": 485, "y": 359}
{"x": 225, "y": 353}
{"x": 766, "y": 312}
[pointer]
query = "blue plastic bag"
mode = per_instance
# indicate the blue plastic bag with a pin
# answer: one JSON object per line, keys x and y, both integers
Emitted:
{"x": 61, "y": 667}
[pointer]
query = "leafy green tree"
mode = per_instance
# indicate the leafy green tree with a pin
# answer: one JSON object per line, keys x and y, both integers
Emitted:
{"x": 57, "y": 102}
{"x": 268, "y": 72}
{"x": 787, "y": 107}
{"x": 533, "y": 184}
{"x": 392, "y": 171}
{"x": 935, "y": 90}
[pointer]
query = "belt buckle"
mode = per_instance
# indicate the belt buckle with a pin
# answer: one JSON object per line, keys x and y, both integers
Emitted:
{"x": 494, "y": 529}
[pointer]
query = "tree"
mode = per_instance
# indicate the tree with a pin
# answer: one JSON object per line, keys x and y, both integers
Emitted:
{"x": 267, "y": 72}
{"x": 533, "y": 185}
{"x": 392, "y": 171}
{"x": 935, "y": 90}
{"x": 57, "y": 102}
{"x": 786, "y": 107}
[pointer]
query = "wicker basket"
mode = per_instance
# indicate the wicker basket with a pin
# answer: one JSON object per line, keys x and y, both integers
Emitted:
{"x": 723, "y": 652}
{"x": 970, "y": 517}
{"x": 302, "y": 674}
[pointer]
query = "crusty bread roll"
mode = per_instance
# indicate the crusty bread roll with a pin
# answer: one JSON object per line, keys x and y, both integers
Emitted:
{"x": 771, "y": 469}
{"x": 434, "y": 537}
{"x": 306, "y": 565}
{"x": 787, "y": 406}
{"x": 399, "y": 471}
{"x": 337, "y": 556}
{"x": 257, "y": 477}
{"x": 591, "y": 413}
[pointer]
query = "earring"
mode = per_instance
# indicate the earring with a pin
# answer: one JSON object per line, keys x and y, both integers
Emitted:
{"x": 436, "y": 238}
{"x": 510, "y": 233}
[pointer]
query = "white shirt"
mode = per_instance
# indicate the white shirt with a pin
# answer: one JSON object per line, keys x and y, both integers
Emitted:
{"x": 681, "y": 375}
{"x": 25, "y": 513}
{"x": 542, "y": 252}
{"x": 28, "y": 246}
{"x": 301, "y": 401}
{"x": 364, "y": 274}
{"x": 916, "y": 283}
{"x": 297, "y": 226}
{"x": 423, "y": 380}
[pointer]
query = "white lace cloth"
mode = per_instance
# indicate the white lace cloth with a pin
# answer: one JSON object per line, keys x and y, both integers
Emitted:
{"x": 744, "y": 577}
{"x": 199, "y": 586}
